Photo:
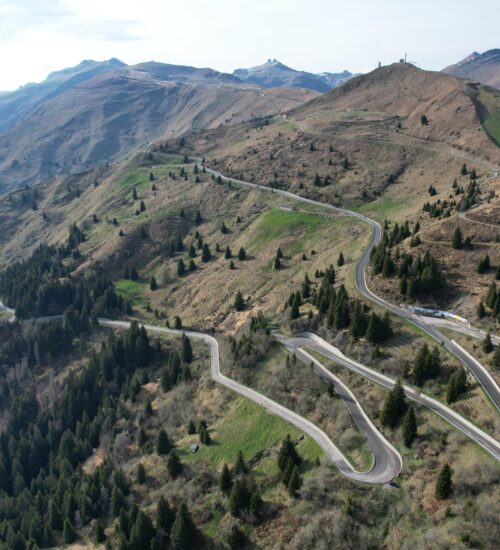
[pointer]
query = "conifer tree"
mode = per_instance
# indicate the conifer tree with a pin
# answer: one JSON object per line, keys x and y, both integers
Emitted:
{"x": 69, "y": 533}
{"x": 457, "y": 241}
{"x": 174, "y": 465}
{"x": 197, "y": 218}
{"x": 228, "y": 254}
{"x": 242, "y": 254}
{"x": 443, "y": 483}
{"x": 276, "y": 263}
{"x": 240, "y": 466}
{"x": 153, "y": 285}
{"x": 481, "y": 312}
{"x": 192, "y": 252}
{"x": 294, "y": 483}
{"x": 409, "y": 427}
{"x": 141, "y": 474}
{"x": 394, "y": 406}
{"x": 181, "y": 268}
{"x": 239, "y": 499}
{"x": 340, "y": 260}
{"x": 164, "y": 516}
{"x": 487, "y": 344}
{"x": 187, "y": 350}
{"x": 163, "y": 443}
{"x": 225, "y": 480}
{"x": 142, "y": 531}
{"x": 100, "y": 535}
{"x": 206, "y": 255}
{"x": 134, "y": 193}
{"x": 183, "y": 530}
{"x": 239, "y": 301}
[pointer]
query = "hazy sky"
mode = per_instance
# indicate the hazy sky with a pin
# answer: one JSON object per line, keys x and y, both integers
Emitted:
{"x": 39, "y": 36}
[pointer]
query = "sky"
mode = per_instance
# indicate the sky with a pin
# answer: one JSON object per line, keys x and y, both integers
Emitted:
{"x": 40, "y": 36}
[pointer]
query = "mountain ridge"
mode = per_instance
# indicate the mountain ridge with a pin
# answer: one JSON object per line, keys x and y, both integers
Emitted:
{"x": 484, "y": 67}
{"x": 274, "y": 73}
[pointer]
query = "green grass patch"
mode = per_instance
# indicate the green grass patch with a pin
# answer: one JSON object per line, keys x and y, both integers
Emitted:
{"x": 276, "y": 224}
{"x": 385, "y": 207}
{"x": 131, "y": 290}
{"x": 250, "y": 428}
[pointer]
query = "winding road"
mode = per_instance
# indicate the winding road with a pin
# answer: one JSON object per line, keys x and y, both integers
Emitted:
{"x": 312, "y": 341}
{"x": 481, "y": 374}
{"x": 387, "y": 461}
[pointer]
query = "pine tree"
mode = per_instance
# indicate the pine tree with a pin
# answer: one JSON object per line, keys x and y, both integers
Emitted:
{"x": 481, "y": 312}
{"x": 394, "y": 406}
{"x": 443, "y": 483}
{"x": 277, "y": 264}
{"x": 240, "y": 466}
{"x": 463, "y": 171}
{"x": 140, "y": 474}
{"x": 163, "y": 443}
{"x": 164, "y": 516}
{"x": 487, "y": 344}
{"x": 359, "y": 321}
{"x": 174, "y": 465}
{"x": 228, "y": 254}
{"x": 134, "y": 193}
{"x": 153, "y": 285}
{"x": 142, "y": 207}
{"x": 239, "y": 499}
{"x": 457, "y": 241}
{"x": 69, "y": 534}
{"x": 99, "y": 535}
{"x": 242, "y": 254}
{"x": 55, "y": 516}
{"x": 191, "y": 428}
{"x": 197, "y": 217}
{"x": 181, "y": 268}
{"x": 288, "y": 451}
{"x": 177, "y": 323}
{"x": 294, "y": 483}
{"x": 225, "y": 480}
{"x": 409, "y": 427}
{"x": 187, "y": 350}
{"x": 192, "y": 252}
{"x": 239, "y": 301}
{"x": 206, "y": 255}
{"x": 142, "y": 532}
{"x": 183, "y": 530}
{"x": 340, "y": 260}
{"x": 117, "y": 501}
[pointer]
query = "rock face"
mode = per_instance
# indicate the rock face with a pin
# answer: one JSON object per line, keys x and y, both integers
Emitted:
{"x": 484, "y": 67}
{"x": 275, "y": 74}
{"x": 98, "y": 112}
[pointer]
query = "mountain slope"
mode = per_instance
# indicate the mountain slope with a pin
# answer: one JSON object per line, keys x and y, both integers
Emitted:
{"x": 484, "y": 67}
{"x": 79, "y": 118}
{"x": 366, "y": 137}
{"x": 275, "y": 74}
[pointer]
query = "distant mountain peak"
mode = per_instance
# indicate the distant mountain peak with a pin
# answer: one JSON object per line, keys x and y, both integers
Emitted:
{"x": 274, "y": 73}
